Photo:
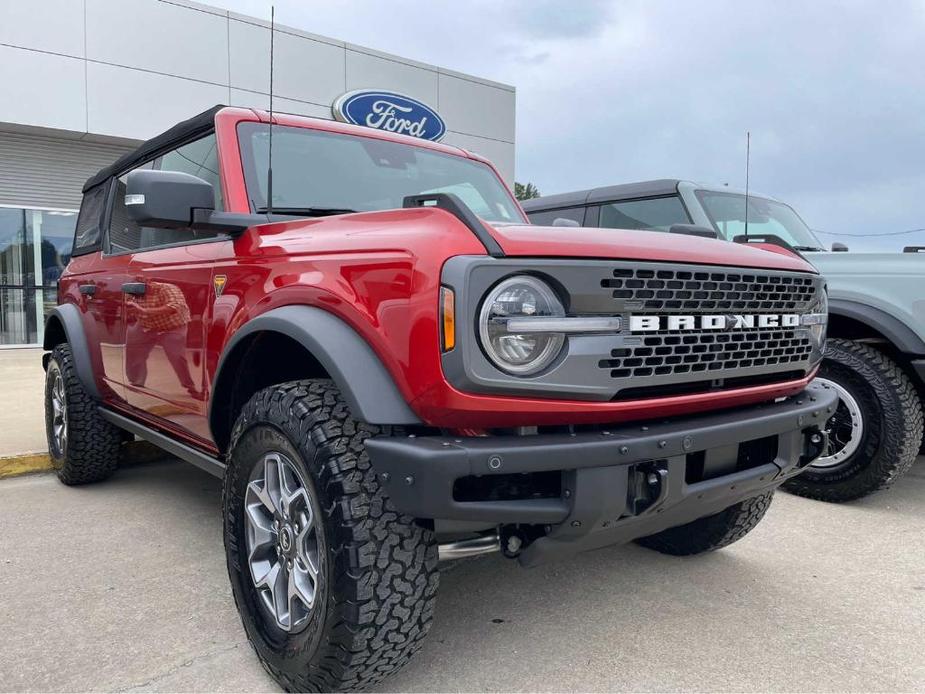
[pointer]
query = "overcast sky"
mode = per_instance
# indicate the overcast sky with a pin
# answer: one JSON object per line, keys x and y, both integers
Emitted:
{"x": 625, "y": 90}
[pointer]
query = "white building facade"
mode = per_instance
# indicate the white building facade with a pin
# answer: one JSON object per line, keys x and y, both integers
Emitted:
{"x": 83, "y": 81}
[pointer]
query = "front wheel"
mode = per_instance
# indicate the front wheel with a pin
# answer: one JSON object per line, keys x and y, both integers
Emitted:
{"x": 710, "y": 533}
{"x": 874, "y": 434}
{"x": 335, "y": 589}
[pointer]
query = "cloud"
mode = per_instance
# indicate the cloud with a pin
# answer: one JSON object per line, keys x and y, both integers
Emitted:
{"x": 608, "y": 92}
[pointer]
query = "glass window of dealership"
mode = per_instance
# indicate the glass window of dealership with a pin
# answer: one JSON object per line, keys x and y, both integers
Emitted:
{"x": 35, "y": 246}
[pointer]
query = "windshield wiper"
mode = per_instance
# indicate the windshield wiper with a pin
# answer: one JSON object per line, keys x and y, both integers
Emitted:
{"x": 306, "y": 211}
{"x": 807, "y": 249}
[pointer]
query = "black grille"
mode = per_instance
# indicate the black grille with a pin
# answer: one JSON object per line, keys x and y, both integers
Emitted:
{"x": 671, "y": 290}
{"x": 672, "y": 353}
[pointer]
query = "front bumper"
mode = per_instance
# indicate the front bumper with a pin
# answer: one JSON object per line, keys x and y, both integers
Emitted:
{"x": 617, "y": 484}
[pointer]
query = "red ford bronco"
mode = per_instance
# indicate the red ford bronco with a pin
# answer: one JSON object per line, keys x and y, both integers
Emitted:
{"x": 363, "y": 336}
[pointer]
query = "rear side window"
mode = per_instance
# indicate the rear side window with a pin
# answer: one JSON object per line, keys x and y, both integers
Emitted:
{"x": 89, "y": 221}
{"x": 546, "y": 218}
{"x": 654, "y": 214}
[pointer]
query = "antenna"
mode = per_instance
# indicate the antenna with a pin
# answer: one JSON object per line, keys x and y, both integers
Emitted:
{"x": 270, "y": 157}
{"x": 748, "y": 148}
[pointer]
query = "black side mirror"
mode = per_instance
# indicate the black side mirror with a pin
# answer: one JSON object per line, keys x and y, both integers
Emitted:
{"x": 693, "y": 230}
{"x": 839, "y": 247}
{"x": 166, "y": 199}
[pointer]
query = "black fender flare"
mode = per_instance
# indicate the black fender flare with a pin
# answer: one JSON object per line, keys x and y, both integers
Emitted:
{"x": 365, "y": 384}
{"x": 68, "y": 315}
{"x": 893, "y": 329}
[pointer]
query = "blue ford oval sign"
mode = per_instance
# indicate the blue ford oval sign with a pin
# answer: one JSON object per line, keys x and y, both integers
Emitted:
{"x": 389, "y": 111}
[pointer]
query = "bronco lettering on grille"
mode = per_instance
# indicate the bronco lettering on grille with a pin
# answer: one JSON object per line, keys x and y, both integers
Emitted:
{"x": 641, "y": 324}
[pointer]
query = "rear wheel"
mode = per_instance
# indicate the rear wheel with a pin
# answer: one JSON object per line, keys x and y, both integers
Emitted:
{"x": 336, "y": 590}
{"x": 83, "y": 446}
{"x": 876, "y": 431}
{"x": 712, "y": 532}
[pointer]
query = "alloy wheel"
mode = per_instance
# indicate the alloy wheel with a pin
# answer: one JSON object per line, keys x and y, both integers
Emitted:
{"x": 59, "y": 413}
{"x": 282, "y": 536}
{"x": 844, "y": 428}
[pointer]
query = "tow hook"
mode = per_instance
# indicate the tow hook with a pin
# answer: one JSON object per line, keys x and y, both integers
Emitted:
{"x": 513, "y": 541}
{"x": 815, "y": 441}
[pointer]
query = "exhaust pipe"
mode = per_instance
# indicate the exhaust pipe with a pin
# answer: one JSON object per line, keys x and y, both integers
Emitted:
{"x": 472, "y": 547}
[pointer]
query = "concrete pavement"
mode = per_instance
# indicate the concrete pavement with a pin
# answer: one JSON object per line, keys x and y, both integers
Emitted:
{"x": 122, "y": 587}
{"x": 22, "y": 423}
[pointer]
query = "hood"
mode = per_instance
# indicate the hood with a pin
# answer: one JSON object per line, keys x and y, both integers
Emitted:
{"x": 585, "y": 242}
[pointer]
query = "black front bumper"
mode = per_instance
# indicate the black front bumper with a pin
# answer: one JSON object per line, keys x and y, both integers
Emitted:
{"x": 618, "y": 483}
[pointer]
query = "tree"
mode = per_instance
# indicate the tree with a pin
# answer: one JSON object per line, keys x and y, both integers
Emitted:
{"x": 525, "y": 191}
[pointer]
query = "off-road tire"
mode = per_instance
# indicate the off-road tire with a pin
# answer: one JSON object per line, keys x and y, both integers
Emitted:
{"x": 379, "y": 568}
{"x": 710, "y": 533}
{"x": 892, "y": 434}
{"x": 91, "y": 452}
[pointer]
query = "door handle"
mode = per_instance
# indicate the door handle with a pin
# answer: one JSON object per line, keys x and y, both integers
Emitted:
{"x": 136, "y": 288}
{"x": 87, "y": 289}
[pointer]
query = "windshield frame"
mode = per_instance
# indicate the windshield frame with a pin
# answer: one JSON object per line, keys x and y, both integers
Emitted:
{"x": 245, "y": 128}
{"x": 813, "y": 241}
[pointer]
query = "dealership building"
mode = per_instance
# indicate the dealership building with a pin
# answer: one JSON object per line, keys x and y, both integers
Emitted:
{"x": 84, "y": 81}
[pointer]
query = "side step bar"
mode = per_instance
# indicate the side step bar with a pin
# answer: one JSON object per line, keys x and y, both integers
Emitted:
{"x": 201, "y": 460}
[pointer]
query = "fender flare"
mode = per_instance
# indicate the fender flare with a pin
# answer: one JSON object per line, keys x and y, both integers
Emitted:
{"x": 365, "y": 384}
{"x": 69, "y": 317}
{"x": 893, "y": 329}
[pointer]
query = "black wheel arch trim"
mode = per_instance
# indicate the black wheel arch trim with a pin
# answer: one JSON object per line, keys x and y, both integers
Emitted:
{"x": 893, "y": 329}
{"x": 366, "y": 385}
{"x": 68, "y": 315}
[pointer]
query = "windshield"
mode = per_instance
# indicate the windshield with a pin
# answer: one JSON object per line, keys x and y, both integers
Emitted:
{"x": 328, "y": 173}
{"x": 727, "y": 213}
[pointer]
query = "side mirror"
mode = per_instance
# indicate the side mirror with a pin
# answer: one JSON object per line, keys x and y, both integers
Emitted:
{"x": 839, "y": 247}
{"x": 693, "y": 230}
{"x": 166, "y": 199}
{"x": 563, "y": 222}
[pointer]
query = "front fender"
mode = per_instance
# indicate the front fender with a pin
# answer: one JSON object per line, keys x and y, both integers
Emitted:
{"x": 893, "y": 329}
{"x": 366, "y": 385}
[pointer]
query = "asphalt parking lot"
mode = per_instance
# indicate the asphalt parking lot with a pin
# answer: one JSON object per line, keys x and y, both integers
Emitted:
{"x": 122, "y": 587}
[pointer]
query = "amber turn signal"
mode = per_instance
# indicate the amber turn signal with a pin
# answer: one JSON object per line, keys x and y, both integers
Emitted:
{"x": 447, "y": 318}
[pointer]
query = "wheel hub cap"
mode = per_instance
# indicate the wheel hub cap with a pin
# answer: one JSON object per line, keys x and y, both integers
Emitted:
{"x": 844, "y": 428}
{"x": 282, "y": 540}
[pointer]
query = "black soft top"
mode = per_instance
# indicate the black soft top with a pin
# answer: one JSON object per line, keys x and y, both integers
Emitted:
{"x": 627, "y": 191}
{"x": 184, "y": 131}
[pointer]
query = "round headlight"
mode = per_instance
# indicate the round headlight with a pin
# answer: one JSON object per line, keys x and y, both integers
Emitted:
{"x": 818, "y": 329}
{"x": 526, "y": 352}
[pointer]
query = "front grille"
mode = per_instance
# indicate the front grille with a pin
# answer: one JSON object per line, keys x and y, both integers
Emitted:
{"x": 668, "y": 361}
{"x": 674, "y": 353}
{"x": 678, "y": 290}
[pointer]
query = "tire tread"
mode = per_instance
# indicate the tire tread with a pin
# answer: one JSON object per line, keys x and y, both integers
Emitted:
{"x": 901, "y": 431}
{"x": 713, "y": 532}
{"x": 93, "y": 443}
{"x": 384, "y": 571}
